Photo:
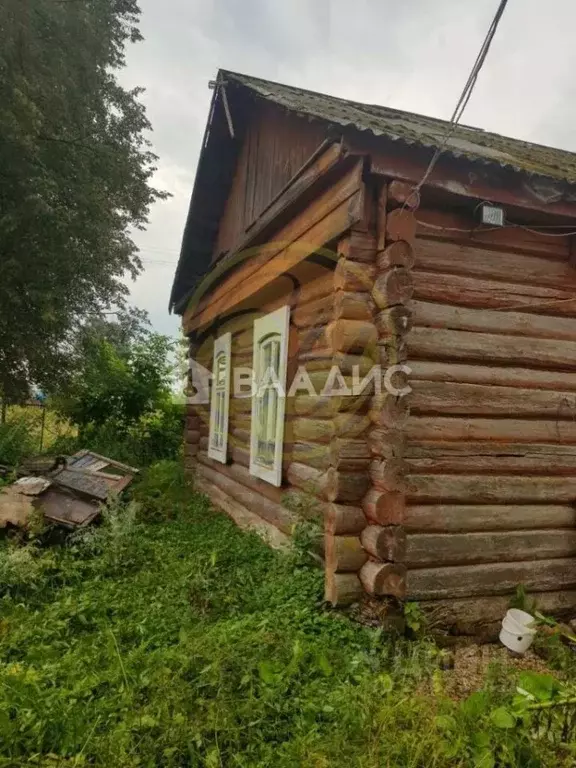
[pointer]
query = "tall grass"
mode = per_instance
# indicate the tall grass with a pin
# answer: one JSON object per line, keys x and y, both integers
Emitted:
{"x": 185, "y": 642}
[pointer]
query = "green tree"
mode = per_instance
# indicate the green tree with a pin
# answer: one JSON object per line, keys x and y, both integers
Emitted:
{"x": 75, "y": 171}
{"x": 122, "y": 372}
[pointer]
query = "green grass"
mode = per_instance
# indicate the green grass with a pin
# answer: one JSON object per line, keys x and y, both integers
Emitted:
{"x": 185, "y": 642}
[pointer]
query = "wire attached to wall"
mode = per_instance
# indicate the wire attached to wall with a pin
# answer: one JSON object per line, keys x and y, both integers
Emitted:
{"x": 414, "y": 197}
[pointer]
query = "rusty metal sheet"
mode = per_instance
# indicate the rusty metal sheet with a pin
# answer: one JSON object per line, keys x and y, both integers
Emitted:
{"x": 65, "y": 509}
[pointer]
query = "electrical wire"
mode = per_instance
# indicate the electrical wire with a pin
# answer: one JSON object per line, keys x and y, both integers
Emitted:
{"x": 462, "y": 101}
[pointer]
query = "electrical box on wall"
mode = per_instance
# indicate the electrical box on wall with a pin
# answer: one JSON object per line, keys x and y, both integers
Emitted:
{"x": 492, "y": 215}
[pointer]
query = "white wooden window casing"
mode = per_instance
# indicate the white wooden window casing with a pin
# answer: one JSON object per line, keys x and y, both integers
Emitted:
{"x": 270, "y": 361}
{"x": 220, "y": 399}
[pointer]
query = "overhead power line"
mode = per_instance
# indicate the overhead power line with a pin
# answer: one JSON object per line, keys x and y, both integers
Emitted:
{"x": 464, "y": 98}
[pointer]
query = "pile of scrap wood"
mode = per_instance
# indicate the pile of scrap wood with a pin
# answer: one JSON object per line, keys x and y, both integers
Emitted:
{"x": 67, "y": 491}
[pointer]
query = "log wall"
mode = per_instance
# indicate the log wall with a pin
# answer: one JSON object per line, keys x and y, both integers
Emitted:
{"x": 490, "y": 443}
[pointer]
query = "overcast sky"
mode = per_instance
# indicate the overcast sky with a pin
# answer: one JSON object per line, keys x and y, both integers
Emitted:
{"x": 413, "y": 55}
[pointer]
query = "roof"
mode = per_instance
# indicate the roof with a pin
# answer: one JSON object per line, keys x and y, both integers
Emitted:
{"x": 218, "y": 157}
{"x": 411, "y": 128}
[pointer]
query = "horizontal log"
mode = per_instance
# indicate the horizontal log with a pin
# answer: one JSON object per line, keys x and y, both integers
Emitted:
{"x": 349, "y": 453}
{"x": 463, "y": 228}
{"x": 527, "y": 378}
{"x": 351, "y": 425}
{"x": 395, "y": 286}
{"x": 434, "y": 397}
{"x": 192, "y": 422}
{"x": 487, "y": 489}
{"x": 386, "y": 443}
{"x": 239, "y": 454}
{"x": 342, "y": 588}
{"x": 511, "y": 350}
{"x": 307, "y": 430}
{"x": 385, "y": 542}
{"x": 341, "y": 519}
{"x": 351, "y": 276}
{"x": 383, "y": 579}
{"x": 401, "y": 225}
{"x": 243, "y": 517}
{"x": 242, "y": 475}
{"x": 384, "y": 507}
{"x": 316, "y": 312}
{"x": 268, "y": 510}
{"x": 192, "y": 436}
{"x": 191, "y": 449}
{"x": 389, "y": 474}
{"x": 447, "y": 316}
{"x": 398, "y": 254}
{"x": 473, "y": 615}
{"x": 502, "y": 430}
{"x": 456, "y": 259}
{"x": 545, "y": 463}
{"x": 454, "y": 518}
{"x": 351, "y": 335}
{"x": 389, "y": 411}
{"x": 395, "y": 321}
{"x": 438, "y": 549}
{"x": 492, "y": 294}
{"x": 352, "y": 306}
{"x": 326, "y": 407}
{"x": 330, "y": 485}
{"x": 490, "y": 579}
{"x": 344, "y": 554}
{"x": 348, "y": 364}
{"x": 315, "y": 455}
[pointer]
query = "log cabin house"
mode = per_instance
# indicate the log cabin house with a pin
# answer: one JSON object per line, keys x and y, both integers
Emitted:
{"x": 308, "y": 259}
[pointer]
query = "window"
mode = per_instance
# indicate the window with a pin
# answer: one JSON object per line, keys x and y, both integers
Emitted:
{"x": 269, "y": 398}
{"x": 220, "y": 399}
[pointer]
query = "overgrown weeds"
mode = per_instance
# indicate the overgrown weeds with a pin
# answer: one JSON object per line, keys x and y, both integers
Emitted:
{"x": 167, "y": 637}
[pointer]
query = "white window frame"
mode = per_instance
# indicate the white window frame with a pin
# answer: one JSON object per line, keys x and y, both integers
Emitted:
{"x": 276, "y": 325}
{"x": 220, "y": 399}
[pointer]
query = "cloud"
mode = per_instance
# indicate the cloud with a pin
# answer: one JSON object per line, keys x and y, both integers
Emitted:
{"x": 414, "y": 55}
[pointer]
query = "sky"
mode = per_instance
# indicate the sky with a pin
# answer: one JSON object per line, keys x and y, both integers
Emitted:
{"x": 414, "y": 55}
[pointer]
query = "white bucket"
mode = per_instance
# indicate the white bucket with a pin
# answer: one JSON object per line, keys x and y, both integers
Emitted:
{"x": 517, "y": 632}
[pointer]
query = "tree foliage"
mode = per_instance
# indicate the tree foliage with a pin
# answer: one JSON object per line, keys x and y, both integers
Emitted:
{"x": 122, "y": 372}
{"x": 75, "y": 171}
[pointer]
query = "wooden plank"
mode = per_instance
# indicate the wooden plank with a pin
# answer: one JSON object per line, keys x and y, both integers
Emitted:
{"x": 436, "y": 397}
{"x": 482, "y": 374}
{"x": 487, "y": 489}
{"x": 437, "y": 549}
{"x": 490, "y": 579}
{"x": 469, "y": 179}
{"x": 454, "y": 518}
{"x": 512, "y": 350}
{"x": 324, "y": 220}
{"x": 498, "y": 430}
{"x": 457, "y": 259}
{"x": 492, "y": 294}
{"x": 430, "y": 315}
{"x": 544, "y": 463}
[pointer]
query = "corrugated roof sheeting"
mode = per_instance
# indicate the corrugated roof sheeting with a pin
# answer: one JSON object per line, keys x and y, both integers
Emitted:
{"x": 410, "y": 128}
